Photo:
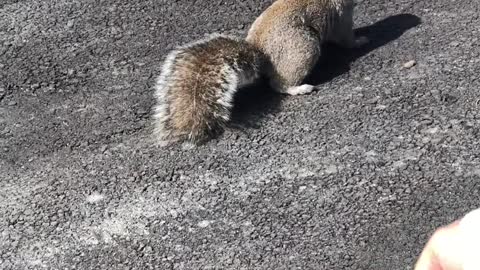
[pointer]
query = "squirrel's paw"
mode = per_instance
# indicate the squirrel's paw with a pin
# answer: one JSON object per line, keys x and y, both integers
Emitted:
{"x": 361, "y": 41}
{"x": 300, "y": 90}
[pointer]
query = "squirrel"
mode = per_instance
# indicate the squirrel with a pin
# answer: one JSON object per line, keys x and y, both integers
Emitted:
{"x": 198, "y": 81}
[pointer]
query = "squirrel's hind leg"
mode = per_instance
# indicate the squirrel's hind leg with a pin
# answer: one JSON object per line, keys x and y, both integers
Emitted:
{"x": 294, "y": 61}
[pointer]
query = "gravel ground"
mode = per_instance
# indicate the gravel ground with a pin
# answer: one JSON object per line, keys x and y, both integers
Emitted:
{"x": 354, "y": 176}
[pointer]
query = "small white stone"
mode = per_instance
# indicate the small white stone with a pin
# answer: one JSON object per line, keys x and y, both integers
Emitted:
{"x": 188, "y": 146}
{"x": 399, "y": 164}
{"x": 358, "y": 89}
{"x": 332, "y": 169}
{"x": 204, "y": 223}
{"x": 95, "y": 197}
{"x": 410, "y": 64}
{"x": 432, "y": 130}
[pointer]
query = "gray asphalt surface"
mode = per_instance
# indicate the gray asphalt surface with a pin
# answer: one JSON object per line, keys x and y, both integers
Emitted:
{"x": 354, "y": 176}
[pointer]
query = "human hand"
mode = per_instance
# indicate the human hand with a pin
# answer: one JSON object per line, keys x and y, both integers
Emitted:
{"x": 454, "y": 247}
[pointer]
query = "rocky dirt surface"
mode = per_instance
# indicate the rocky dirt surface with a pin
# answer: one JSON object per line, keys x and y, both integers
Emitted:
{"x": 354, "y": 176}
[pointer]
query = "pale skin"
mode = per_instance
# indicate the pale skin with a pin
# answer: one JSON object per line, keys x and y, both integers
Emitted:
{"x": 442, "y": 250}
{"x": 453, "y": 247}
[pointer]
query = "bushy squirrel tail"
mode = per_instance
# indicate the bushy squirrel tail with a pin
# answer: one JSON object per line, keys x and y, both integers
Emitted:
{"x": 198, "y": 81}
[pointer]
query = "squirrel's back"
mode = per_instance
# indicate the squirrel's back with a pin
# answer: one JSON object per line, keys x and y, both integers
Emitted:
{"x": 285, "y": 15}
{"x": 197, "y": 84}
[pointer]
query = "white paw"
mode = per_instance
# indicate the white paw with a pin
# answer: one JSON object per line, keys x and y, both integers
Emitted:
{"x": 360, "y": 41}
{"x": 300, "y": 90}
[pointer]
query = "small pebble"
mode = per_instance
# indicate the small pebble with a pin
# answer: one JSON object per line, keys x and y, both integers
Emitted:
{"x": 455, "y": 44}
{"x": 410, "y": 64}
{"x": 204, "y": 223}
{"x": 95, "y": 197}
{"x": 373, "y": 100}
{"x": 12, "y": 103}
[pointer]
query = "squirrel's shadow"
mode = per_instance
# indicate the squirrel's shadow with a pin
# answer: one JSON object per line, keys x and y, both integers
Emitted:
{"x": 254, "y": 102}
{"x": 337, "y": 61}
